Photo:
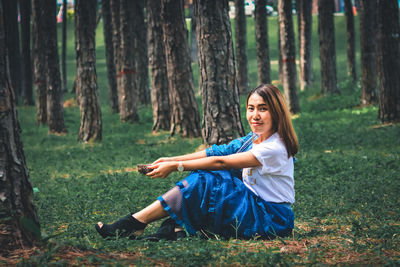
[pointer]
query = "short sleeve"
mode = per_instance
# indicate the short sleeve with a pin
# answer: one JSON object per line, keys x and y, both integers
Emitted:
{"x": 272, "y": 156}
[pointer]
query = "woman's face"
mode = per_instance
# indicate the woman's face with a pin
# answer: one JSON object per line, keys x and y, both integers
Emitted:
{"x": 259, "y": 116}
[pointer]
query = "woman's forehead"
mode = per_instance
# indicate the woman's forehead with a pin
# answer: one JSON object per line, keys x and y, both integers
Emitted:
{"x": 256, "y": 100}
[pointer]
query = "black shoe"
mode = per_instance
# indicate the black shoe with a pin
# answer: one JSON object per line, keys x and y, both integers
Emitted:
{"x": 124, "y": 227}
{"x": 166, "y": 232}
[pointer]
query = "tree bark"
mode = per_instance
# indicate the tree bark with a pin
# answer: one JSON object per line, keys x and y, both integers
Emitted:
{"x": 55, "y": 112}
{"x": 262, "y": 45}
{"x": 220, "y": 94}
{"x": 327, "y": 54}
{"x": 388, "y": 55}
{"x": 17, "y": 212}
{"x": 109, "y": 53}
{"x": 288, "y": 48}
{"x": 64, "y": 47}
{"x": 85, "y": 25}
{"x": 241, "y": 47}
{"x": 158, "y": 68}
{"x": 142, "y": 62}
{"x": 13, "y": 45}
{"x": 304, "y": 16}
{"x": 351, "y": 46}
{"x": 39, "y": 62}
{"x": 25, "y": 10}
{"x": 369, "y": 94}
{"x": 185, "y": 116}
{"x": 128, "y": 94}
{"x": 116, "y": 43}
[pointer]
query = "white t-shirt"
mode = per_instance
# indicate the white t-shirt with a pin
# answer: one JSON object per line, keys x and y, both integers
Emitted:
{"x": 273, "y": 181}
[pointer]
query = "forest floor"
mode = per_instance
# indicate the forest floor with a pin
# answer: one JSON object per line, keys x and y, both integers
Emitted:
{"x": 346, "y": 182}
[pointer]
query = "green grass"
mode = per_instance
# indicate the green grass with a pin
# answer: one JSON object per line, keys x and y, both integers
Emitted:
{"x": 346, "y": 181}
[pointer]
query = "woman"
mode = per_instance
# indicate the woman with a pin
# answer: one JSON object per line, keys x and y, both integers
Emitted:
{"x": 242, "y": 190}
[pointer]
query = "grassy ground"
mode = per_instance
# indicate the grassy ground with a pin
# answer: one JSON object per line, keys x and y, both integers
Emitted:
{"x": 347, "y": 184}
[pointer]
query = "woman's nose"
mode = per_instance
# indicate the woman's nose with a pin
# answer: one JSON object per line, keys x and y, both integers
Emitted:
{"x": 256, "y": 114}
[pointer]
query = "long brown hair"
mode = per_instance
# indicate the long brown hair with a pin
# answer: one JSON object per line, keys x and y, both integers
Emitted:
{"x": 280, "y": 115}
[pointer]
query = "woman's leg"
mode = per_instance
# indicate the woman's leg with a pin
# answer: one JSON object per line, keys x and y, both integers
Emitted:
{"x": 151, "y": 213}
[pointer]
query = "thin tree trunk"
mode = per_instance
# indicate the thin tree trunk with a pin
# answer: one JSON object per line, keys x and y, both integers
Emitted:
{"x": 158, "y": 68}
{"x": 109, "y": 51}
{"x": 220, "y": 94}
{"x": 241, "y": 47}
{"x": 327, "y": 54}
{"x": 85, "y": 25}
{"x": 116, "y": 43}
{"x": 288, "y": 48}
{"x": 304, "y": 15}
{"x": 280, "y": 64}
{"x": 128, "y": 94}
{"x": 17, "y": 212}
{"x": 55, "y": 112}
{"x": 185, "y": 118}
{"x": 13, "y": 45}
{"x": 369, "y": 92}
{"x": 351, "y": 46}
{"x": 388, "y": 55}
{"x": 142, "y": 62}
{"x": 39, "y": 62}
{"x": 64, "y": 47}
{"x": 263, "y": 58}
{"x": 25, "y": 8}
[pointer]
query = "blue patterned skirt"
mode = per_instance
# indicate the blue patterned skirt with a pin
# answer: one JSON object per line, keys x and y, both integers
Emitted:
{"x": 219, "y": 203}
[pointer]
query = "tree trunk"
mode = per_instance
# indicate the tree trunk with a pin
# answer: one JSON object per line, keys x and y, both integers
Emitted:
{"x": 220, "y": 94}
{"x": 39, "y": 62}
{"x": 185, "y": 115}
{"x": 64, "y": 47}
{"x": 304, "y": 15}
{"x": 367, "y": 13}
{"x": 55, "y": 112}
{"x": 128, "y": 94}
{"x": 388, "y": 55}
{"x": 262, "y": 46}
{"x": 280, "y": 64}
{"x": 158, "y": 68}
{"x": 116, "y": 43}
{"x": 327, "y": 53}
{"x": 288, "y": 48}
{"x": 25, "y": 10}
{"x": 351, "y": 46}
{"x": 85, "y": 25}
{"x": 111, "y": 75}
{"x": 13, "y": 45}
{"x": 17, "y": 212}
{"x": 241, "y": 47}
{"x": 142, "y": 62}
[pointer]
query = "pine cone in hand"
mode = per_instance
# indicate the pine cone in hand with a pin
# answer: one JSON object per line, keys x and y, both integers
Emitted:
{"x": 143, "y": 169}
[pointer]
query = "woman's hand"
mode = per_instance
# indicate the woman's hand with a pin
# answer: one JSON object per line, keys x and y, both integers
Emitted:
{"x": 162, "y": 169}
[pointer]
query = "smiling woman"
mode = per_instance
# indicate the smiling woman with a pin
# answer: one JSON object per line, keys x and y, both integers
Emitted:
{"x": 243, "y": 189}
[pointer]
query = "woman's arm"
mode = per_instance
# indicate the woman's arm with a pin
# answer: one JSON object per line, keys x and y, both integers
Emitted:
{"x": 234, "y": 161}
{"x": 191, "y": 156}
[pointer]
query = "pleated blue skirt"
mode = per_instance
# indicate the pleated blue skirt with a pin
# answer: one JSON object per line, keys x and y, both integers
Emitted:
{"x": 219, "y": 203}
